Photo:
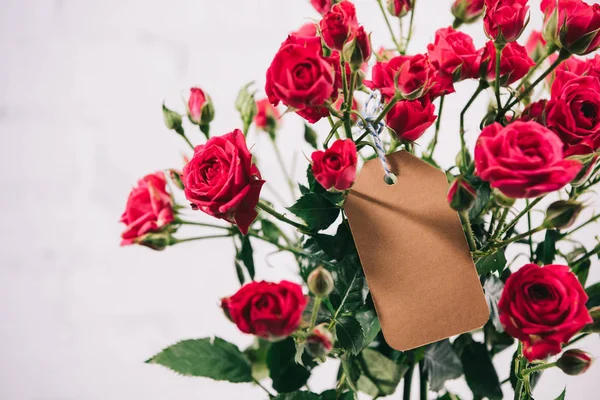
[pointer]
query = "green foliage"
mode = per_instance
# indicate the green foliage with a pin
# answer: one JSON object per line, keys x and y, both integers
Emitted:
{"x": 316, "y": 210}
{"x": 380, "y": 376}
{"x": 546, "y": 250}
{"x": 210, "y": 358}
{"x": 339, "y": 245}
{"x": 287, "y": 375}
{"x": 479, "y": 371}
{"x": 350, "y": 334}
{"x": 492, "y": 263}
{"x": 441, "y": 364}
{"x": 310, "y": 136}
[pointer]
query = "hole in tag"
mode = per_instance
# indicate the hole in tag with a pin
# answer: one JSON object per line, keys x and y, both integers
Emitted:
{"x": 390, "y": 178}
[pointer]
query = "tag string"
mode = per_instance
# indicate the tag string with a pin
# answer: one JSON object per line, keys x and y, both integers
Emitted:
{"x": 374, "y": 107}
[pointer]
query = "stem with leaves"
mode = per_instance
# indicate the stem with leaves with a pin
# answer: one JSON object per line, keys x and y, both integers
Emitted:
{"x": 387, "y": 22}
{"x": 264, "y": 206}
{"x": 499, "y": 48}
{"x": 438, "y": 123}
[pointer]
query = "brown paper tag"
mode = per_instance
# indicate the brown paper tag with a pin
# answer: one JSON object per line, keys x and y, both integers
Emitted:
{"x": 414, "y": 253}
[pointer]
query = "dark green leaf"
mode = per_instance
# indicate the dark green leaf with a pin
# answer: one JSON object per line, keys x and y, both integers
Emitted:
{"x": 270, "y": 230}
{"x": 310, "y": 136}
{"x": 493, "y": 287}
{"x": 379, "y": 372}
{"x": 479, "y": 371}
{"x": 210, "y": 358}
{"x": 546, "y": 250}
{"x": 323, "y": 315}
{"x": 350, "y": 334}
{"x": 562, "y": 395}
{"x": 498, "y": 341}
{"x": 247, "y": 256}
{"x": 493, "y": 263}
{"x": 287, "y": 376}
{"x": 239, "y": 272}
{"x": 350, "y": 290}
{"x": 303, "y": 189}
{"x": 315, "y": 187}
{"x": 441, "y": 364}
{"x": 370, "y": 325}
{"x": 483, "y": 197}
{"x": 582, "y": 270}
{"x": 298, "y": 396}
{"x": 593, "y": 293}
{"x": 257, "y": 354}
{"x": 449, "y": 396}
{"x": 338, "y": 246}
{"x": 333, "y": 395}
{"x": 318, "y": 212}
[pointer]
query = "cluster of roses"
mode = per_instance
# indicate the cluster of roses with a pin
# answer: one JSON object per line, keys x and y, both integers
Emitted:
{"x": 315, "y": 72}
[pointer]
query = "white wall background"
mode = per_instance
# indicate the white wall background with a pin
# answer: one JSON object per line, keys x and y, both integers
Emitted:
{"x": 81, "y": 83}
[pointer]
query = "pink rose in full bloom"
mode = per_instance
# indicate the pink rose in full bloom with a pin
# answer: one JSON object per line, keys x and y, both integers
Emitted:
{"x": 572, "y": 25}
{"x": 543, "y": 307}
{"x": 409, "y": 119}
{"x": 222, "y": 181}
{"x": 454, "y": 54}
{"x": 514, "y": 63}
{"x": 505, "y": 20}
{"x": 523, "y": 159}
{"x": 149, "y": 209}
{"x": 335, "y": 168}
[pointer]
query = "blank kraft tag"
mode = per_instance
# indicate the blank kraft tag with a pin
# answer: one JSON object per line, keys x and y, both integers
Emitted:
{"x": 414, "y": 253}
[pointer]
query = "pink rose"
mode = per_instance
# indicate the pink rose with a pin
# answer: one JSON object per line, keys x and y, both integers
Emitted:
{"x": 339, "y": 25}
{"x": 454, "y": 54}
{"x": 514, "y": 63}
{"x": 335, "y": 168}
{"x": 572, "y": 25}
{"x": 410, "y": 119}
{"x": 267, "y": 116}
{"x": 504, "y": 20}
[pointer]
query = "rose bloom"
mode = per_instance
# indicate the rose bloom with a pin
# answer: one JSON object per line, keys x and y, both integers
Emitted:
{"x": 467, "y": 10}
{"x": 504, "y": 20}
{"x": 339, "y": 25}
{"x": 543, "y": 307}
{"x": 535, "y": 112}
{"x": 269, "y": 310}
{"x": 149, "y": 208}
{"x": 196, "y": 103}
{"x": 267, "y": 116}
{"x": 414, "y": 76}
{"x": 222, "y": 181}
{"x": 299, "y": 76}
{"x": 322, "y": 6}
{"x": 574, "y": 26}
{"x": 409, "y": 119}
{"x": 523, "y": 160}
{"x": 335, "y": 168}
{"x": 514, "y": 63}
{"x": 454, "y": 54}
{"x": 309, "y": 29}
{"x": 573, "y": 112}
{"x": 399, "y": 8}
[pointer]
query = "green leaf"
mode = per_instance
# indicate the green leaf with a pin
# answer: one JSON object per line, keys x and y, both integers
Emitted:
{"x": 582, "y": 270}
{"x": 349, "y": 285}
{"x": 270, "y": 230}
{"x": 323, "y": 314}
{"x": 492, "y": 263}
{"x": 333, "y": 395}
{"x": 246, "y": 256}
{"x": 483, "y": 197}
{"x": 209, "y": 358}
{"x": 257, "y": 354}
{"x": 338, "y": 246}
{"x": 449, "y": 396}
{"x": 303, "y": 189}
{"x": 239, "y": 272}
{"x": 546, "y": 250}
{"x": 593, "y": 293}
{"x": 441, "y": 364}
{"x": 298, "y": 396}
{"x": 493, "y": 287}
{"x": 350, "y": 334}
{"x": 379, "y": 372}
{"x": 479, "y": 371}
{"x": 310, "y": 136}
{"x": 318, "y": 212}
{"x": 562, "y": 395}
{"x": 315, "y": 187}
{"x": 370, "y": 325}
{"x": 287, "y": 376}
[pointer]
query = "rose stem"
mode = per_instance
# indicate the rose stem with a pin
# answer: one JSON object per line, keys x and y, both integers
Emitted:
{"x": 177, "y": 241}
{"x": 315, "y": 311}
{"x": 180, "y": 221}
{"x": 286, "y": 175}
{"x": 346, "y": 89}
{"x": 463, "y": 146}
{"x": 410, "y": 27}
{"x": 468, "y": 230}
{"x": 422, "y": 381}
{"x": 262, "y": 205}
{"x": 387, "y": 22}
{"x": 530, "y": 238}
{"x": 537, "y": 368}
{"x": 271, "y": 396}
{"x": 438, "y": 124}
{"x": 499, "y": 48}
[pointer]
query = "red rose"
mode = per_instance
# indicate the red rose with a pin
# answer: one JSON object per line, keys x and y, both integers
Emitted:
{"x": 322, "y": 6}
{"x": 536, "y": 45}
{"x": 504, "y": 20}
{"x": 410, "y": 119}
{"x": 338, "y": 106}
{"x": 543, "y": 307}
{"x": 313, "y": 114}
{"x": 200, "y": 108}
{"x": 523, "y": 160}
{"x": 222, "y": 181}
{"x": 335, "y": 168}
{"x": 535, "y": 112}
{"x": 572, "y": 25}
{"x": 399, "y": 8}
{"x": 309, "y": 29}
{"x": 339, "y": 25}
{"x": 299, "y": 76}
{"x": 358, "y": 51}
{"x": 149, "y": 209}
{"x": 267, "y": 116}
{"x": 467, "y": 10}
{"x": 413, "y": 75}
{"x": 268, "y": 310}
{"x": 514, "y": 63}
{"x": 574, "y": 112}
{"x": 454, "y": 54}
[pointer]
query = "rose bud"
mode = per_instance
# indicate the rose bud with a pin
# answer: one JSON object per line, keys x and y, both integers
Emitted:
{"x": 573, "y": 112}
{"x": 523, "y": 159}
{"x": 320, "y": 282}
{"x": 149, "y": 209}
{"x": 271, "y": 311}
{"x": 399, "y": 8}
{"x": 221, "y": 180}
{"x": 514, "y": 63}
{"x": 319, "y": 342}
{"x": 574, "y": 362}
{"x": 501, "y": 200}
{"x": 411, "y": 76}
{"x": 176, "y": 178}
{"x": 358, "y": 50}
{"x": 535, "y": 112}
{"x": 536, "y": 46}
{"x": 409, "y": 119}
{"x": 589, "y": 162}
{"x": 338, "y": 25}
{"x": 595, "y": 326}
{"x": 454, "y": 54}
{"x": 172, "y": 120}
{"x": 466, "y": 11}
{"x": 572, "y": 25}
{"x": 322, "y": 6}
{"x": 155, "y": 241}
{"x": 505, "y": 20}
{"x": 562, "y": 214}
{"x": 200, "y": 109}
{"x": 267, "y": 117}
{"x": 335, "y": 168}
{"x": 543, "y": 307}
{"x": 461, "y": 195}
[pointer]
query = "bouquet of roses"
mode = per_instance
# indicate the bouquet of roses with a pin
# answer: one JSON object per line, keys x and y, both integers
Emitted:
{"x": 539, "y": 140}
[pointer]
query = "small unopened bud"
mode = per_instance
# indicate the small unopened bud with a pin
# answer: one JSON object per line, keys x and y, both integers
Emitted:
{"x": 562, "y": 214}
{"x": 502, "y": 200}
{"x": 574, "y": 362}
{"x": 225, "y": 307}
{"x": 589, "y": 162}
{"x": 466, "y": 11}
{"x": 172, "y": 119}
{"x": 358, "y": 51}
{"x": 320, "y": 282}
{"x": 176, "y": 178}
{"x": 246, "y": 105}
{"x": 461, "y": 195}
{"x": 319, "y": 342}
{"x": 399, "y": 8}
{"x": 595, "y": 314}
{"x": 156, "y": 241}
